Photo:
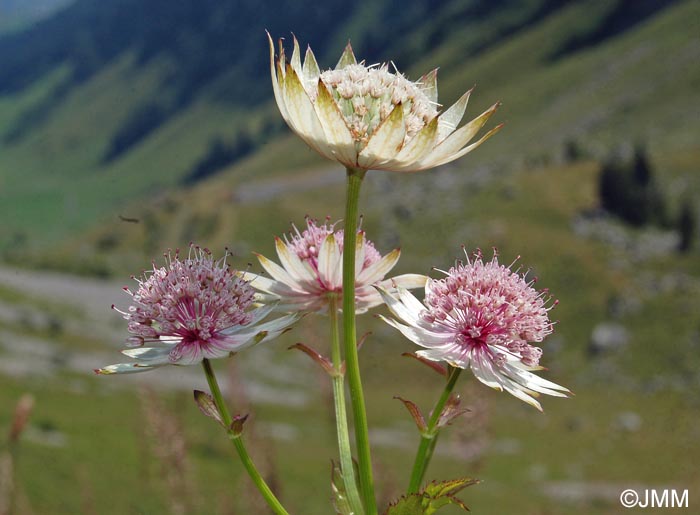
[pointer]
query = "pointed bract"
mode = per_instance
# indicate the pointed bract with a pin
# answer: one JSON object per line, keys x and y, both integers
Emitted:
{"x": 449, "y": 120}
{"x": 337, "y": 133}
{"x": 347, "y": 58}
{"x": 385, "y": 142}
{"x": 296, "y": 56}
{"x": 368, "y": 117}
{"x": 428, "y": 83}
{"x": 310, "y": 69}
{"x": 458, "y": 139}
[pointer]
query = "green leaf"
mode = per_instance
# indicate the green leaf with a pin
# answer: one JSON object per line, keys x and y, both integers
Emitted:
{"x": 415, "y": 413}
{"x": 341, "y": 502}
{"x": 448, "y": 488}
{"x": 436, "y": 495}
{"x": 407, "y": 505}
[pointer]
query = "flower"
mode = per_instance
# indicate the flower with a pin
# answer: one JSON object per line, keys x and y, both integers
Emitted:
{"x": 482, "y": 316}
{"x": 312, "y": 268}
{"x": 368, "y": 117}
{"x": 190, "y": 310}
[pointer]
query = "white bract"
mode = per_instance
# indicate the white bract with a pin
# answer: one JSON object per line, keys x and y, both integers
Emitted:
{"x": 370, "y": 118}
{"x": 312, "y": 263}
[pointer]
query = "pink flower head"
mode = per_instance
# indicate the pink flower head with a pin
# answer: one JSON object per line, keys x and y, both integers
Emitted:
{"x": 311, "y": 269}
{"x": 192, "y": 309}
{"x": 483, "y": 316}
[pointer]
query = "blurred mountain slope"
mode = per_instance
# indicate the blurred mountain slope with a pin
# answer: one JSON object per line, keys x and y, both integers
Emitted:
{"x": 108, "y": 104}
{"x": 16, "y": 15}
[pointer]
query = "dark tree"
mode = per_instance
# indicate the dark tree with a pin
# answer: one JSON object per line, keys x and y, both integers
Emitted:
{"x": 573, "y": 151}
{"x": 219, "y": 155}
{"x": 687, "y": 227}
{"x": 138, "y": 125}
{"x": 628, "y": 189}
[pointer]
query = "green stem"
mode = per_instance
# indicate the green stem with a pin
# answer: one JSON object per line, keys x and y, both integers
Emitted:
{"x": 235, "y": 437}
{"x": 341, "y": 416}
{"x": 429, "y": 437}
{"x": 355, "y": 176}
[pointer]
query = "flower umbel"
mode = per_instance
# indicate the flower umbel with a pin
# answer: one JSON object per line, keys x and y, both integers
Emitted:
{"x": 312, "y": 268}
{"x": 482, "y": 316}
{"x": 192, "y": 309}
{"x": 369, "y": 117}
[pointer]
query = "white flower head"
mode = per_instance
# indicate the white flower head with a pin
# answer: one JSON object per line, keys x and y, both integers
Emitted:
{"x": 311, "y": 269}
{"x": 190, "y": 310}
{"x": 482, "y": 316}
{"x": 369, "y": 117}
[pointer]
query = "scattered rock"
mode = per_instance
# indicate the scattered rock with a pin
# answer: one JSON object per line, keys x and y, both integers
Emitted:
{"x": 625, "y": 304}
{"x": 506, "y": 446}
{"x": 606, "y": 337}
{"x": 628, "y": 422}
{"x": 538, "y": 472}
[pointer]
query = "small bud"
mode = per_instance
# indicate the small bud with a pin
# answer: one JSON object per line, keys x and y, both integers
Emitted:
{"x": 451, "y": 411}
{"x": 237, "y": 424}
{"x": 206, "y": 405}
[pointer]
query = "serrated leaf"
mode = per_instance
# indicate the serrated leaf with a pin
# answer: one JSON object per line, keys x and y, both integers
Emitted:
{"x": 206, "y": 405}
{"x": 436, "y": 489}
{"x": 436, "y": 495}
{"x": 407, "y": 505}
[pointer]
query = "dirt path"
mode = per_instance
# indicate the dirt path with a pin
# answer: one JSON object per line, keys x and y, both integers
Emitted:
{"x": 91, "y": 296}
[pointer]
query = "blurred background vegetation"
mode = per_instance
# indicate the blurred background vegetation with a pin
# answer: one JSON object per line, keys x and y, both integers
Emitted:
{"x": 129, "y": 126}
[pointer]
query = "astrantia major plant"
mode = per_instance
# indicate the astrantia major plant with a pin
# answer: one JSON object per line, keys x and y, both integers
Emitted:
{"x": 192, "y": 310}
{"x": 480, "y": 315}
{"x": 366, "y": 117}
